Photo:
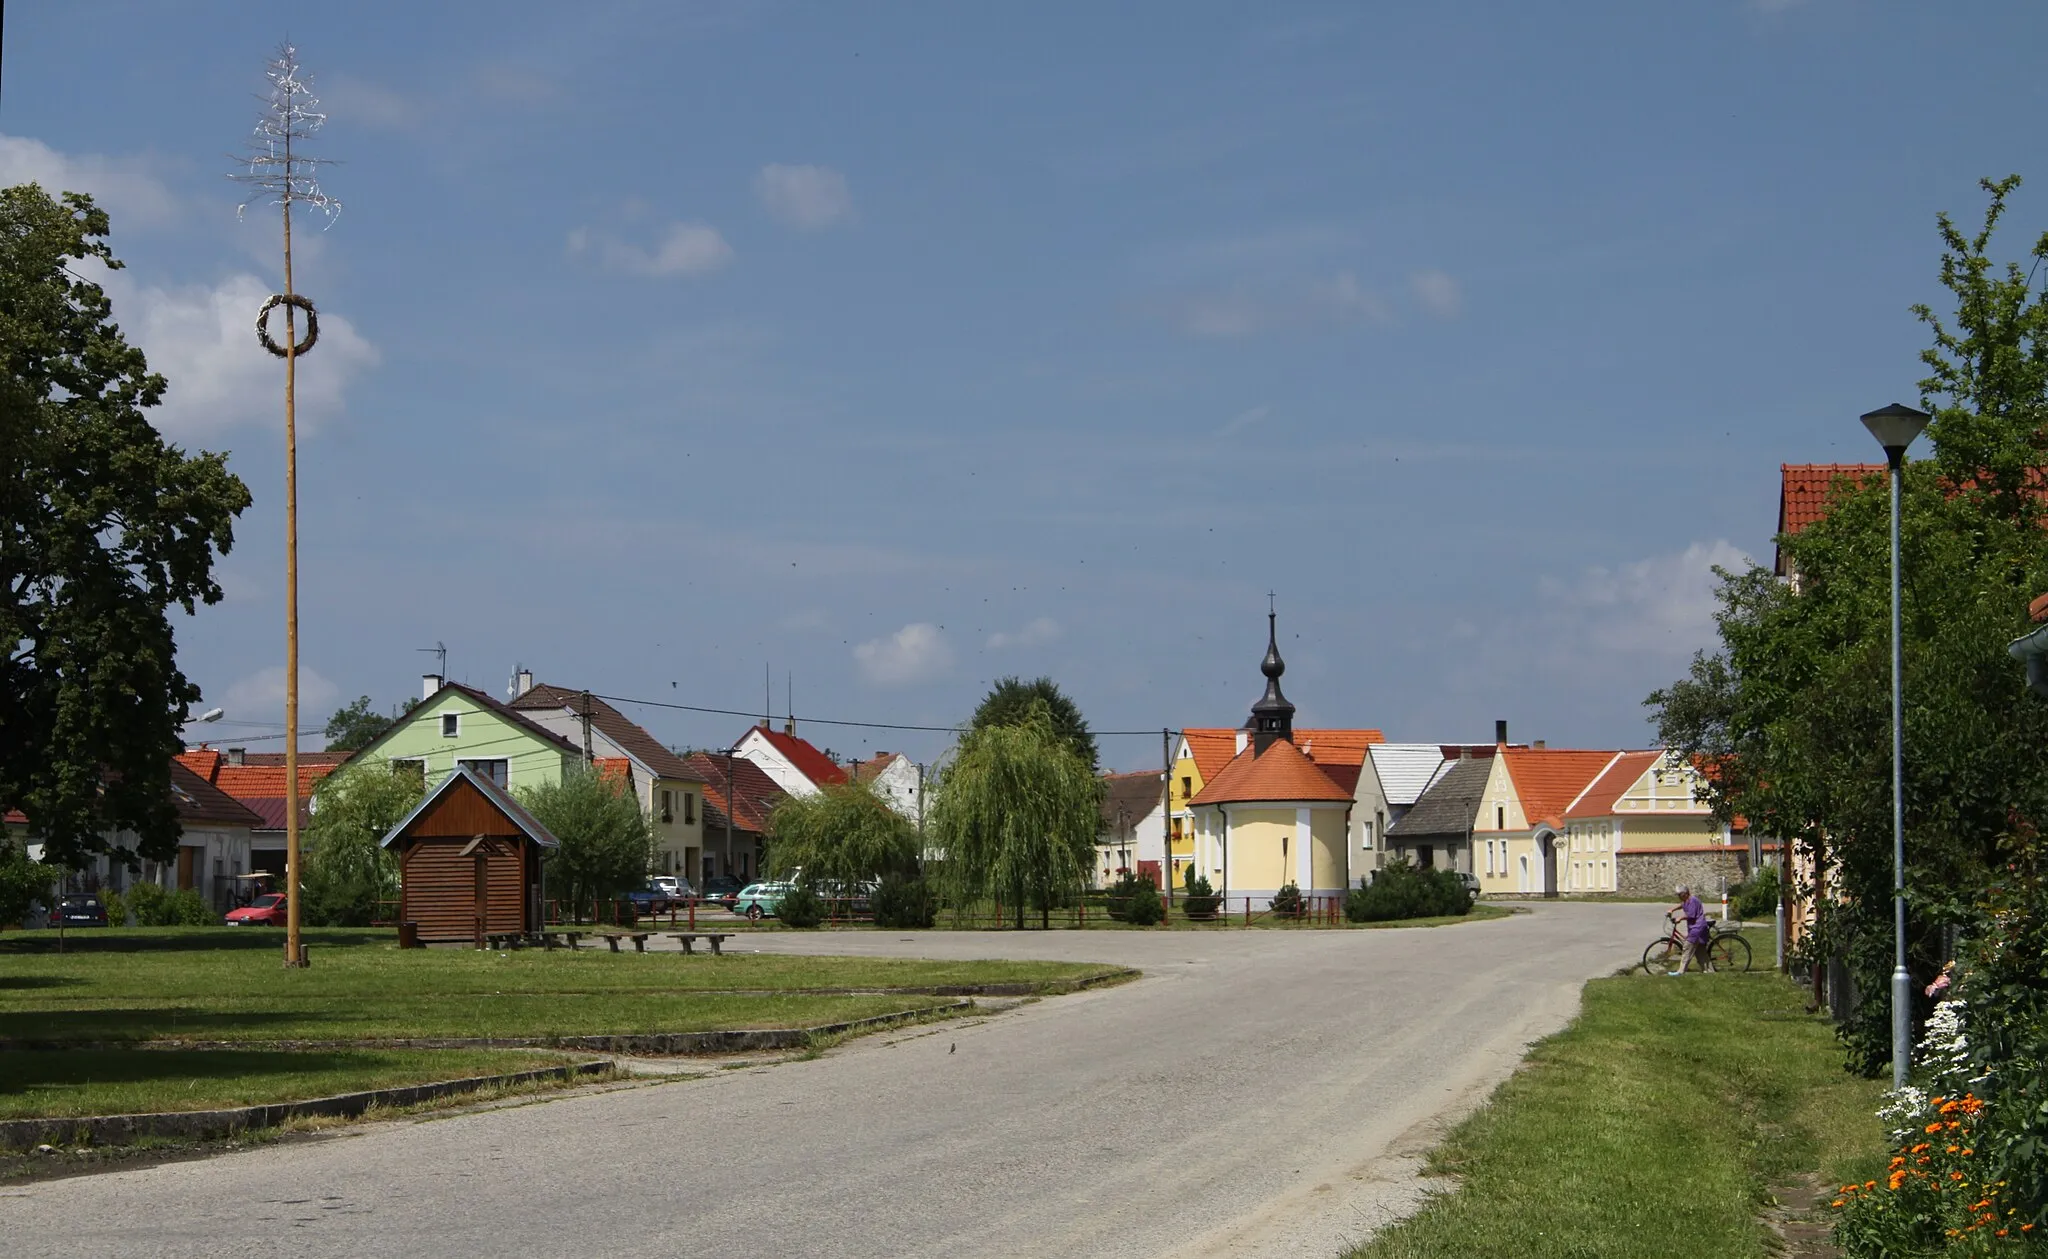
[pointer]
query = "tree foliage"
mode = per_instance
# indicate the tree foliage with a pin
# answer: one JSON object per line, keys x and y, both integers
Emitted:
{"x": 23, "y": 882}
{"x": 1793, "y": 711}
{"x": 103, "y": 528}
{"x": 608, "y": 843}
{"x": 355, "y": 726}
{"x": 842, "y": 836}
{"x": 1016, "y": 814}
{"x": 1012, "y": 700}
{"x": 348, "y": 870}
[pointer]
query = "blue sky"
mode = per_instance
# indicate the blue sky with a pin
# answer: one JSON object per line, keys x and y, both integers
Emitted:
{"x": 899, "y": 347}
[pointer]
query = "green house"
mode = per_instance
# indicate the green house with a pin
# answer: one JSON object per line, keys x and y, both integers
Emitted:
{"x": 458, "y": 726}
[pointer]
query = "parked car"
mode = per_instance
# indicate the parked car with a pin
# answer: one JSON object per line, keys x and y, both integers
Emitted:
{"x": 758, "y": 900}
{"x": 678, "y": 888}
{"x": 662, "y": 893}
{"x": 79, "y": 910}
{"x": 723, "y": 888}
{"x": 267, "y": 910}
{"x": 1471, "y": 882}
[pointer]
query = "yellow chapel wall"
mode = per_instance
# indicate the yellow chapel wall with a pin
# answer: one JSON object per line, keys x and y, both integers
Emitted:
{"x": 1262, "y": 853}
{"x": 1329, "y": 834}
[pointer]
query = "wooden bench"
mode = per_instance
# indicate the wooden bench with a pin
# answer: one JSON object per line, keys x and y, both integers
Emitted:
{"x": 546, "y": 939}
{"x": 639, "y": 939}
{"x": 689, "y": 938}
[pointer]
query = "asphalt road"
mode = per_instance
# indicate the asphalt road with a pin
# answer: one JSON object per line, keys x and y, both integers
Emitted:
{"x": 1257, "y": 1093}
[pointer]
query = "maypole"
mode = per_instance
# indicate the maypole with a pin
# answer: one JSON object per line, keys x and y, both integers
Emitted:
{"x": 279, "y": 171}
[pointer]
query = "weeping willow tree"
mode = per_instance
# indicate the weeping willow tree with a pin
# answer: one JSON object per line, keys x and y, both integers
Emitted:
{"x": 842, "y": 837}
{"x": 1016, "y": 816}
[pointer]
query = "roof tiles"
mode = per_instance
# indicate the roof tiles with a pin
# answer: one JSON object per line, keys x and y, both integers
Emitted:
{"x": 1281, "y": 772}
{"x": 1547, "y": 780}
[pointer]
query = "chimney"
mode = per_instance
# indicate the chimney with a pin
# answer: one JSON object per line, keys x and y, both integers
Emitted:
{"x": 1500, "y": 732}
{"x": 1540, "y": 744}
{"x": 523, "y": 683}
{"x": 235, "y": 755}
{"x": 789, "y": 726}
{"x": 429, "y": 683}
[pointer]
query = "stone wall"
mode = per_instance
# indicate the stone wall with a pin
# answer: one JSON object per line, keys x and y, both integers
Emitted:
{"x": 1656, "y": 873}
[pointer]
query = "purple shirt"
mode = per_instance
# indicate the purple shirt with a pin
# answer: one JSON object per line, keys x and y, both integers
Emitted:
{"x": 1695, "y": 919}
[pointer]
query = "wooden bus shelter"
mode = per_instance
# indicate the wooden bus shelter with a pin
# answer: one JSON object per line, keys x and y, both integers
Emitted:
{"x": 469, "y": 863}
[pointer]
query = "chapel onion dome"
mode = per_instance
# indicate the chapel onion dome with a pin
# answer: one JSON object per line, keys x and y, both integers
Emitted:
{"x": 1272, "y": 716}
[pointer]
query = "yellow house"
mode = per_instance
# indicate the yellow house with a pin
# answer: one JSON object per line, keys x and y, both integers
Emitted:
{"x": 1202, "y": 753}
{"x": 1643, "y": 827}
{"x": 1519, "y": 828}
{"x": 1270, "y": 816}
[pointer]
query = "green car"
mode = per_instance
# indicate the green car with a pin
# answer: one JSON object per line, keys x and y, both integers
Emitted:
{"x": 758, "y": 900}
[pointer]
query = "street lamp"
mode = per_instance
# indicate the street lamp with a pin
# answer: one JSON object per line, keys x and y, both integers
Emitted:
{"x": 1895, "y": 427}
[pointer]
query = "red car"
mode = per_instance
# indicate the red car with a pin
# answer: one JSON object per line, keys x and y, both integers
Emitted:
{"x": 266, "y": 911}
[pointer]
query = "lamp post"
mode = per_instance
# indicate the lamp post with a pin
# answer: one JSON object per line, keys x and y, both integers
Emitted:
{"x": 1895, "y": 427}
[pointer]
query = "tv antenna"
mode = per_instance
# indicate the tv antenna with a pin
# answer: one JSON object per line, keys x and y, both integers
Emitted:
{"x": 438, "y": 649}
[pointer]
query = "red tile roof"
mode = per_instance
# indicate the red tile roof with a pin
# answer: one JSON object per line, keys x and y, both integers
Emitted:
{"x": 1213, "y": 747}
{"x": 1599, "y": 797}
{"x": 756, "y": 794}
{"x": 1805, "y": 488}
{"x": 200, "y": 801}
{"x": 622, "y": 730}
{"x": 808, "y": 760}
{"x": 1281, "y": 772}
{"x": 1547, "y": 780}
{"x": 874, "y": 766}
{"x": 260, "y": 776}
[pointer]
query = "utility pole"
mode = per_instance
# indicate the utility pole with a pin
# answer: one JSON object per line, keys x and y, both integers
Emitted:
{"x": 588, "y": 758}
{"x": 1166, "y": 811}
{"x": 730, "y": 804}
{"x": 276, "y": 170}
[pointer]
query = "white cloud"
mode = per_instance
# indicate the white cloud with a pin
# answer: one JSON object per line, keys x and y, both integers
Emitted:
{"x": 916, "y": 653}
{"x": 1039, "y": 632}
{"x": 1438, "y": 293}
{"x": 1660, "y": 606}
{"x": 122, "y": 186}
{"x": 1250, "y": 310}
{"x": 514, "y": 84}
{"x": 1245, "y": 419}
{"x": 805, "y": 197}
{"x": 682, "y": 249}
{"x": 259, "y": 696}
{"x": 202, "y": 339}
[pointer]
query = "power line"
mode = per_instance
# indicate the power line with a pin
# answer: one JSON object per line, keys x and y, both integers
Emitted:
{"x": 821, "y": 721}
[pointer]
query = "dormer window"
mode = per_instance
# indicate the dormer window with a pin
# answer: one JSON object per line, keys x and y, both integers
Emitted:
{"x": 451, "y": 725}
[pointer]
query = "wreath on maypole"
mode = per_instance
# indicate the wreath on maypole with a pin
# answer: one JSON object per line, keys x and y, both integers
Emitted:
{"x": 298, "y": 302}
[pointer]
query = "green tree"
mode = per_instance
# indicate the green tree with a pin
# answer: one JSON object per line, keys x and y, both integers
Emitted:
{"x": 103, "y": 528}
{"x": 355, "y": 726}
{"x": 1016, "y": 814}
{"x": 843, "y": 836}
{"x": 1011, "y": 700}
{"x": 348, "y": 870}
{"x": 1793, "y": 710}
{"x": 607, "y": 845}
{"x": 22, "y": 882}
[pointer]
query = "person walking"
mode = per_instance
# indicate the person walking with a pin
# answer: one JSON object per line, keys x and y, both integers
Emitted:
{"x": 1697, "y": 930}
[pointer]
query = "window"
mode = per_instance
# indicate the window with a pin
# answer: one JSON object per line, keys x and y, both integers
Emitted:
{"x": 451, "y": 725}
{"x": 667, "y": 810}
{"x": 1187, "y": 785}
{"x": 1500, "y": 817}
{"x": 689, "y": 807}
{"x": 497, "y": 769}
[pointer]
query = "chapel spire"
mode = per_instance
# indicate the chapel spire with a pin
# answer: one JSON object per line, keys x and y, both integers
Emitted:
{"x": 1272, "y": 716}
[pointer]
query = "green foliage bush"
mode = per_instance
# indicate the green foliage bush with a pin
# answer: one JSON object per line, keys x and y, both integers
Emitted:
{"x": 154, "y": 907}
{"x": 801, "y": 907}
{"x": 904, "y": 902}
{"x": 1757, "y": 897}
{"x": 22, "y": 883}
{"x": 1287, "y": 902}
{"x": 1144, "y": 908}
{"x": 1116, "y": 897}
{"x": 1200, "y": 902}
{"x": 1398, "y": 890}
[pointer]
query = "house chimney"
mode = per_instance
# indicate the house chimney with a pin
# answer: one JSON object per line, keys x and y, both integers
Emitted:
{"x": 523, "y": 684}
{"x": 1540, "y": 744}
{"x": 235, "y": 755}
{"x": 429, "y": 683}
{"x": 789, "y": 726}
{"x": 1500, "y": 732}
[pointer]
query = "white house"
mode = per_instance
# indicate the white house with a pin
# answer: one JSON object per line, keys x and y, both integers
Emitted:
{"x": 796, "y": 766}
{"x": 897, "y": 779}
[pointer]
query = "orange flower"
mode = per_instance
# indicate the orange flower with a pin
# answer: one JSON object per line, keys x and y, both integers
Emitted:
{"x": 1839, "y": 1202}
{"x": 1952, "y": 1149}
{"x": 1967, "y": 1151}
{"x": 1921, "y": 1148}
{"x": 2026, "y": 1228}
{"x": 1934, "y": 1127}
{"x": 1897, "y": 1179}
{"x": 1955, "y": 1175}
{"x": 1870, "y": 1184}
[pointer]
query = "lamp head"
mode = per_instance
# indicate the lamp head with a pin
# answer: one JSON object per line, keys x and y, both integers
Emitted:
{"x": 1895, "y": 427}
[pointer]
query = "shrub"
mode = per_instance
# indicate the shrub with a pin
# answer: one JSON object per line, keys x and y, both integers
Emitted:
{"x": 1398, "y": 890}
{"x": 1144, "y": 908}
{"x": 1287, "y": 901}
{"x": 1117, "y": 897}
{"x": 801, "y": 906}
{"x": 1758, "y": 897}
{"x": 187, "y": 909}
{"x": 904, "y": 902}
{"x": 1201, "y": 900}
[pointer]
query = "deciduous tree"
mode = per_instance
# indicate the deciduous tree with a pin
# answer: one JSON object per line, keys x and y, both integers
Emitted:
{"x": 843, "y": 836}
{"x": 355, "y": 726}
{"x": 348, "y": 871}
{"x": 1016, "y": 815}
{"x": 1011, "y": 700}
{"x": 104, "y": 527}
{"x": 607, "y": 841}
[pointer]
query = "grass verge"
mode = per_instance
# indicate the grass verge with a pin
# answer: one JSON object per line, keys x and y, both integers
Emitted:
{"x": 1656, "y": 1124}
{"x": 116, "y": 1082}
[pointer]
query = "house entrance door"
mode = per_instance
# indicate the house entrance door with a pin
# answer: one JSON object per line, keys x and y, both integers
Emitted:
{"x": 1548, "y": 847}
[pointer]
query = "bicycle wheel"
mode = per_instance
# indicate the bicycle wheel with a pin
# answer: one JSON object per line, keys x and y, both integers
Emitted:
{"x": 1729, "y": 952}
{"x": 1662, "y": 955}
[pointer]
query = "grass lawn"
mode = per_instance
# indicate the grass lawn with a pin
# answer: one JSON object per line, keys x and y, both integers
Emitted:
{"x": 87, "y": 1082}
{"x": 1655, "y": 1125}
{"x": 227, "y": 984}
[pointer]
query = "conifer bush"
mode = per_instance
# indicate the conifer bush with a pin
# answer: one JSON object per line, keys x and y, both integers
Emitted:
{"x": 1399, "y": 890}
{"x": 905, "y": 902}
{"x": 800, "y": 907}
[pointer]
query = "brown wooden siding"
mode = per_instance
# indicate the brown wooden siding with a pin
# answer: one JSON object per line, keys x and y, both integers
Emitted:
{"x": 462, "y": 811}
{"x": 438, "y": 888}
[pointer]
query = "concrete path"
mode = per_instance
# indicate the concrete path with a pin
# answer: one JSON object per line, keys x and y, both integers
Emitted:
{"x": 1258, "y": 1093}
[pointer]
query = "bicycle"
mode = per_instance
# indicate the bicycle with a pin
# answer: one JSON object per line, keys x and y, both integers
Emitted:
{"x": 1726, "y": 949}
